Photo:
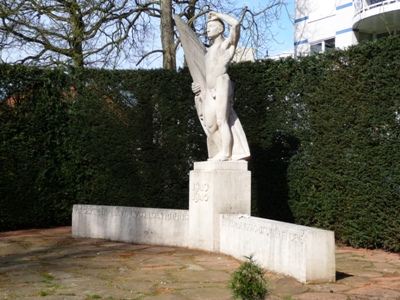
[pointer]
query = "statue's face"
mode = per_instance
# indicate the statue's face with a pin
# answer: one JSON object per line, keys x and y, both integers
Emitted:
{"x": 214, "y": 29}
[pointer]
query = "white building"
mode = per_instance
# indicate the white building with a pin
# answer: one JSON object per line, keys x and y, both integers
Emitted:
{"x": 282, "y": 55}
{"x": 243, "y": 54}
{"x": 321, "y": 25}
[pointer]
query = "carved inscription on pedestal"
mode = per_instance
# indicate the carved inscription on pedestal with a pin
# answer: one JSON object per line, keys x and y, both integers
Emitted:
{"x": 265, "y": 229}
{"x": 200, "y": 192}
{"x": 131, "y": 212}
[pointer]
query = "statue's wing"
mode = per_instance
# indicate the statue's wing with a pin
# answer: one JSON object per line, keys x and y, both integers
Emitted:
{"x": 194, "y": 52}
{"x": 195, "y": 58}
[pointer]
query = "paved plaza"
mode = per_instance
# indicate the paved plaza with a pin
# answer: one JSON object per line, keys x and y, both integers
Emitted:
{"x": 51, "y": 264}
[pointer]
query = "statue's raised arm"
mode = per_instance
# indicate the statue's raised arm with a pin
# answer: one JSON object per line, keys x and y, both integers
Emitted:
{"x": 213, "y": 88}
{"x": 234, "y": 33}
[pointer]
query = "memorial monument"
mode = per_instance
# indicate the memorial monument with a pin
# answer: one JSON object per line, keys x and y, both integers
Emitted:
{"x": 219, "y": 197}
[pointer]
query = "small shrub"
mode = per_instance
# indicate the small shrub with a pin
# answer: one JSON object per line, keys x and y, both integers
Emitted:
{"x": 248, "y": 282}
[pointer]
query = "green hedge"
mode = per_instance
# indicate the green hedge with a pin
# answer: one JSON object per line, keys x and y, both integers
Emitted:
{"x": 94, "y": 137}
{"x": 324, "y": 133}
{"x": 347, "y": 175}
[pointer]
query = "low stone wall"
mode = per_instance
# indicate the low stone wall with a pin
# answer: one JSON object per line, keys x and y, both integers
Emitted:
{"x": 305, "y": 253}
{"x": 152, "y": 226}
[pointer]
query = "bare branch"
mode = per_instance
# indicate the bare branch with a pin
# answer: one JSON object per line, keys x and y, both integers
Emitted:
{"x": 148, "y": 54}
{"x": 103, "y": 32}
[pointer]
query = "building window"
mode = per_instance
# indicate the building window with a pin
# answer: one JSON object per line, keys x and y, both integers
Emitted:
{"x": 372, "y": 2}
{"x": 329, "y": 44}
{"x": 323, "y": 46}
{"x": 315, "y": 48}
{"x": 368, "y": 36}
{"x": 383, "y": 35}
{"x": 365, "y": 36}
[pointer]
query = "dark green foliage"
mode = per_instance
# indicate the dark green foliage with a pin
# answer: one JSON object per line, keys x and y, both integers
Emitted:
{"x": 324, "y": 133}
{"x": 262, "y": 102}
{"x": 248, "y": 282}
{"x": 346, "y": 176}
{"x": 323, "y": 130}
{"x": 33, "y": 128}
{"x": 99, "y": 137}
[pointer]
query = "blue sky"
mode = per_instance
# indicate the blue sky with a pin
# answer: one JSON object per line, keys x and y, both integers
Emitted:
{"x": 284, "y": 31}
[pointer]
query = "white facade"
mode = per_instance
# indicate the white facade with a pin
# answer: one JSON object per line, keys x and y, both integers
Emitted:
{"x": 282, "y": 55}
{"x": 323, "y": 25}
{"x": 243, "y": 54}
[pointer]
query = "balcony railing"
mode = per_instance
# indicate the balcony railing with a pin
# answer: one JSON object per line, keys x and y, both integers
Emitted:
{"x": 364, "y": 5}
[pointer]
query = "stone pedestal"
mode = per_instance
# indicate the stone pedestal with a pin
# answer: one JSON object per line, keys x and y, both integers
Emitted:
{"x": 216, "y": 188}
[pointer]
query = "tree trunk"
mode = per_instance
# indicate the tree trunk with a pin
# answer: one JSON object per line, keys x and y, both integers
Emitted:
{"x": 167, "y": 35}
{"x": 78, "y": 28}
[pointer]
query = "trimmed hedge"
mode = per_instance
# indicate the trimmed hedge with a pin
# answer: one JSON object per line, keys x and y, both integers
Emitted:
{"x": 324, "y": 133}
{"x": 93, "y": 137}
{"x": 347, "y": 175}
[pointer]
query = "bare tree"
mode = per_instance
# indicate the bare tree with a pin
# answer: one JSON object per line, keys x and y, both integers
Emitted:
{"x": 256, "y": 23}
{"x": 115, "y": 33}
{"x": 258, "y": 30}
{"x": 77, "y": 32}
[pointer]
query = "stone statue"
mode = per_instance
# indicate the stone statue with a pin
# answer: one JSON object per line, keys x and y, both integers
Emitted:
{"x": 213, "y": 88}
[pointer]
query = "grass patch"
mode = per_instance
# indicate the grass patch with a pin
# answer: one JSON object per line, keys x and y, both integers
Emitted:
{"x": 47, "y": 293}
{"x": 357, "y": 255}
{"x": 22, "y": 244}
{"x": 47, "y": 277}
{"x": 93, "y": 297}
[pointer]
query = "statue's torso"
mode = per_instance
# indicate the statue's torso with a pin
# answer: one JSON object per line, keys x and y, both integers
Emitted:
{"x": 217, "y": 61}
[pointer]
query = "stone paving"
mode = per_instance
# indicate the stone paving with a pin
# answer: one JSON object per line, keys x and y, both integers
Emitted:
{"x": 50, "y": 264}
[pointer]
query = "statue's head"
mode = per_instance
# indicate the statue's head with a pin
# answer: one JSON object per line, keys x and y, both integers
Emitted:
{"x": 215, "y": 26}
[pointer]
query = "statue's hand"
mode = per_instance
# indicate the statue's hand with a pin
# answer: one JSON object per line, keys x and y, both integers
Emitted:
{"x": 212, "y": 16}
{"x": 196, "y": 88}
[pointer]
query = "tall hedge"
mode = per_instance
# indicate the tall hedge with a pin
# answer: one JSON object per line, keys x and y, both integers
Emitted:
{"x": 323, "y": 130}
{"x": 93, "y": 137}
{"x": 31, "y": 151}
{"x": 347, "y": 175}
{"x": 264, "y": 104}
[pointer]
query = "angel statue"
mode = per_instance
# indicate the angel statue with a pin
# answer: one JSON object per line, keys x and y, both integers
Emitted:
{"x": 213, "y": 88}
